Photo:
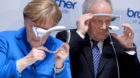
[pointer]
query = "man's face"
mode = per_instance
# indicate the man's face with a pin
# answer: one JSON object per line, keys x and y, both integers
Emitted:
{"x": 31, "y": 38}
{"x": 98, "y": 26}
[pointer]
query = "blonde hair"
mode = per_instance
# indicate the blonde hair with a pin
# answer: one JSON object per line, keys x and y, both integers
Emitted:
{"x": 43, "y": 11}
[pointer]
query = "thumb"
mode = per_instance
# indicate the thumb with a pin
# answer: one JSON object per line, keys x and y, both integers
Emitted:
{"x": 42, "y": 48}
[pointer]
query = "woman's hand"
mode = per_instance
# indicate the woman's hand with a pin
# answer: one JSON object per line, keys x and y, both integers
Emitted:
{"x": 34, "y": 55}
{"x": 61, "y": 54}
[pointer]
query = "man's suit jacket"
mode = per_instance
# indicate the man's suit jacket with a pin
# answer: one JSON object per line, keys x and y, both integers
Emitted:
{"x": 81, "y": 58}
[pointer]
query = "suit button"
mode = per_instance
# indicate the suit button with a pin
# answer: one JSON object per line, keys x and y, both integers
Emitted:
{"x": 12, "y": 76}
{"x": 34, "y": 69}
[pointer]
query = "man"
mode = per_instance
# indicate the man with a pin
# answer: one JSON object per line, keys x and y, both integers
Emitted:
{"x": 89, "y": 60}
{"x": 22, "y": 55}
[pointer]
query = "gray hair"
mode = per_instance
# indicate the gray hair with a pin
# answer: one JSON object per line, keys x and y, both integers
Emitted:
{"x": 88, "y": 3}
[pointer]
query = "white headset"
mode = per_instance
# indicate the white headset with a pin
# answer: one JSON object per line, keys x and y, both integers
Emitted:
{"x": 111, "y": 27}
{"x": 39, "y": 32}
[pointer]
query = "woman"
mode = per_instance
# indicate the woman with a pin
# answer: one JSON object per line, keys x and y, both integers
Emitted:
{"x": 21, "y": 54}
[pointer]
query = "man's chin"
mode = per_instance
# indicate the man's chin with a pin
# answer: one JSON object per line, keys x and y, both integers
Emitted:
{"x": 102, "y": 38}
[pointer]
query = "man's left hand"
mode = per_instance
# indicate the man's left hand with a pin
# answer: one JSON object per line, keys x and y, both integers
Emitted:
{"x": 126, "y": 38}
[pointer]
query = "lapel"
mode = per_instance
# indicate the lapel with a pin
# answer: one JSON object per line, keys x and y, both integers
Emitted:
{"x": 50, "y": 44}
{"x": 107, "y": 52}
{"x": 87, "y": 53}
{"x": 20, "y": 36}
{"x": 21, "y": 43}
{"x": 102, "y": 63}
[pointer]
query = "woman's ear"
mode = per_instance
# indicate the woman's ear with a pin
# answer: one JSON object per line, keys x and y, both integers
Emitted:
{"x": 28, "y": 22}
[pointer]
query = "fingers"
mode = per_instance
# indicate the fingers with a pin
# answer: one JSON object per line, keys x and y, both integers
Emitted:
{"x": 42, "y": 48}
{"x": 84, "y": 18}
{"x": 128, "y": 30}
{"x": 61, "y": 54}
{"x": 38, "y": 54}
{"x": 34, "y": 55}
{"x": 83, "y": 22}
{"x": 64, "y": 48}
{"x": 87, "y": 18}
{"x": 41, "y": 55}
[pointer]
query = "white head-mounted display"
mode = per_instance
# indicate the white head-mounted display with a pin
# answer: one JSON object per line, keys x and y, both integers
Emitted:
{"x": 39, "y": 32}
{"x": 111, "y": 27}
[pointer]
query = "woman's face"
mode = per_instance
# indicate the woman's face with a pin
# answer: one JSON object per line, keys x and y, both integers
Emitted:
{"x": 31, "y": 38}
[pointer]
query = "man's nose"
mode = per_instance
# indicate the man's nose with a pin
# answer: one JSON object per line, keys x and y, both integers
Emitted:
{"x": 104, "y": 26}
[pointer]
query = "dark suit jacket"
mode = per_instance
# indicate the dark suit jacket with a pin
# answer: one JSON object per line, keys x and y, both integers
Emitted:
{"x": 81, "y": 58}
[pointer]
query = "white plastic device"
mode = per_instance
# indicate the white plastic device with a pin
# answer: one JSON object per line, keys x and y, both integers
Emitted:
{"x": 113, "y": 28}
{"x": 39, "y": 32}
{"x": 102, "y": 14}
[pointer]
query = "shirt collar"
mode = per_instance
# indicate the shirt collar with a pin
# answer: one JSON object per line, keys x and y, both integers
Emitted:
{"x": 99, "y": 44}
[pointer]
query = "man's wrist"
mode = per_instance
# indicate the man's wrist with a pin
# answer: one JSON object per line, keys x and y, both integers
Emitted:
{"x": 81, "y": 31}
{"x": 81, "y": 35}
{"x": 131, "y": 49}
{"x": 131, "y": 52}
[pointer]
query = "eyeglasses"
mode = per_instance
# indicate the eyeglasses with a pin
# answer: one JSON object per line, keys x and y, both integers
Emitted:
{"x": 100, "y": 21}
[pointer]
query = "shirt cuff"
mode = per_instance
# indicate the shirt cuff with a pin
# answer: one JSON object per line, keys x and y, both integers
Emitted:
{"x": 58, "y": 71}
{"x": 17, "y": 68}
{"x": 81, "y": 35}
{"x": 131, "y": 52}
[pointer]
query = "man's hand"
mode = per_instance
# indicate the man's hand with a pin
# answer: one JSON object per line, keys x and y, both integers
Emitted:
{"x": 83, "y": 22}
{"x": 126, "y": 38}
{"x": 34, "y": 55}
{"x": 61, "y": 54}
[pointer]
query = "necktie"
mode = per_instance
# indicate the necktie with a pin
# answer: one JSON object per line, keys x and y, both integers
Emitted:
{"x": 96, "y": 56}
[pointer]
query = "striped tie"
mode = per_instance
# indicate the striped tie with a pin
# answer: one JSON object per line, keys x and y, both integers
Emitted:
{"x": 96, "y": 56}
